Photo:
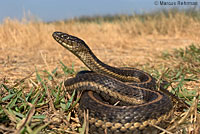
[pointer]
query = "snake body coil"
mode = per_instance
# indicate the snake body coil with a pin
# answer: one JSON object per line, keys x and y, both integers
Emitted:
{"x": 140, "y": 107}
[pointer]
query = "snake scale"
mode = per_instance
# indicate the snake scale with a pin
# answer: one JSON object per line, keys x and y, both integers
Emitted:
{"x": 140, "y": 106}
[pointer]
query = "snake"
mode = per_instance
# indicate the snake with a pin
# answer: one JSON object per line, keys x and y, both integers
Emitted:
{"x": 120, "y": 100}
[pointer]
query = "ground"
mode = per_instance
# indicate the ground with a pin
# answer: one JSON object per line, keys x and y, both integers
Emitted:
{"x": 27, "y": 46}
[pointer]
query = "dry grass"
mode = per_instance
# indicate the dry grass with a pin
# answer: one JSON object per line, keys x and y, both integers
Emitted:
{"x": 25, "y": 45}
{"x": 138, "y": 41}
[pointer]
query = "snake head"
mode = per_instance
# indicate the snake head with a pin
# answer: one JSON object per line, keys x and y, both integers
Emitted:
{"x": 72, "y": 43}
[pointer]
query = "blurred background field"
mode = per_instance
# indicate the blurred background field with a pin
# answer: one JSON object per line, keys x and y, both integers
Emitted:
{"x": 154, "y": 42}
{"x": 118, "y": 40}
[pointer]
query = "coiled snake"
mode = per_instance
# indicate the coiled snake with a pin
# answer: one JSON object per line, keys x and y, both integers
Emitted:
{"x": 141, "y": 105}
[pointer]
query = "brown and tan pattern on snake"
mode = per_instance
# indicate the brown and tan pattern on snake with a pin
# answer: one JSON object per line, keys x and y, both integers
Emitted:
{"x": 140, "y": 106}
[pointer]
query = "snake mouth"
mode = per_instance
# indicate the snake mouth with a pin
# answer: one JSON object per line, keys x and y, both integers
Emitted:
{"x": 57, "y": 35}
{"x": 65, "y": 40}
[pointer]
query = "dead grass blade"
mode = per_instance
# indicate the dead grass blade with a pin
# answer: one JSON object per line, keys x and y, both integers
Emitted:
{"x": 9, "y": 130}
{"x": 164, "y": 130}
{"x": 23, "y": 79}
{"x": 10, "y": 115}
{"x": 26, "y": 120}
{"x": 85, "y": 126}
{"x": 192, "y": 110}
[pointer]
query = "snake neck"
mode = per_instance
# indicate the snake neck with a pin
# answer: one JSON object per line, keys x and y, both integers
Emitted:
{"x": 96, "y": 65}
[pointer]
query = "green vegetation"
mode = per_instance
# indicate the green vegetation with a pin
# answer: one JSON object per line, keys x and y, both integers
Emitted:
{"x": 180, "y": 67}
{"x": 40, "y": 102}
{"x": 29, "y": 109}
{"x": 24, "y": 109}
{"x": 194, "y": 13}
